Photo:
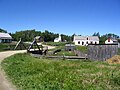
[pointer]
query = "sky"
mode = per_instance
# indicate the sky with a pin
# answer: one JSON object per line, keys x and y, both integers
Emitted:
{"x": 82, "y": 17}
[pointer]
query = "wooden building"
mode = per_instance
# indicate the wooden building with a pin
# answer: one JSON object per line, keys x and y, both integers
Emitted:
{"x": 5, "y": 38}
{"x": 69, "y": 47}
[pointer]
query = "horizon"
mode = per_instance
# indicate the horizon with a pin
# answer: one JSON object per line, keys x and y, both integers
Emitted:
{"x": 64, "y": 34}
{"x": 82, "y": 17}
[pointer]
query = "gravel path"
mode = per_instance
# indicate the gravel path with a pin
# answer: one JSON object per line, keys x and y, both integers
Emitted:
{"x": 4, "y": 83}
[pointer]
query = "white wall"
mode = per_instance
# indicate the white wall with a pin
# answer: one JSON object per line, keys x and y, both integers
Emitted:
{"x": 58, "y": 39}
{"x": 106, "y": 42}
{"x": 85, "y": 42}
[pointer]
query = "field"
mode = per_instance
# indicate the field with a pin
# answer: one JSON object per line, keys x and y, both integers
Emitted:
{"x": 6, "y": 46}
{"x": 9, "y": 46}
{"x": 29, "y": 73}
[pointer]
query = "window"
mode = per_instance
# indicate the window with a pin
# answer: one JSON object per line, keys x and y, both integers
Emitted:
{"x": 91, "y": 42}
{"x": 86, "y": 42}
{"x": 95, "y": 42}
{"x": 87, "y": 38}
{"x": 79, "y": 42}
{"x": 82, "y": 43}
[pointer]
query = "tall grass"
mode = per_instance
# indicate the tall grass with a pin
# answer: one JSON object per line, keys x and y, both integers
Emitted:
{"x": 82, "y": 48}
{"x": 29, "y": 73}
{"x": 10, "y": 46}
{"x": 6, "y": 46}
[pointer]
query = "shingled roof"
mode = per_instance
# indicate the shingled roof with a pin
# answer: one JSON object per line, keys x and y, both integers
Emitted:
{"x": 5, "y": 36}
{"x": 95, "y": 38}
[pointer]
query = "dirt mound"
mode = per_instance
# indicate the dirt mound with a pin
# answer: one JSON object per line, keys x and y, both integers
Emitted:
{"x": 114, "y": 60}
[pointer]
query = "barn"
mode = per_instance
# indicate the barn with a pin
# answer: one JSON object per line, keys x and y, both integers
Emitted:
{"x": 5, "y": 38}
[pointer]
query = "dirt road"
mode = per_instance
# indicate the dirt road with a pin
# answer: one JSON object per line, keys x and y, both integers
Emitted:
{"x": 4, "y": 83}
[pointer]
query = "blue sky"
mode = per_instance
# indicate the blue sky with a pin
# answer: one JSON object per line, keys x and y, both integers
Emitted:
{"x": 83, "y": 17}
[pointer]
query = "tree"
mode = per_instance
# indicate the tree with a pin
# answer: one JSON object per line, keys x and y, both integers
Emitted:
{"x": 96, "y": 34}
{"x": 2, "y": 30}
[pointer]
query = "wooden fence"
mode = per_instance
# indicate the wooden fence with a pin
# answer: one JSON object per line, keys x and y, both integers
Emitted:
{"x": 80, "y": 54}
{"x": 118, "y": 45}
{"x": 102, "y": 51}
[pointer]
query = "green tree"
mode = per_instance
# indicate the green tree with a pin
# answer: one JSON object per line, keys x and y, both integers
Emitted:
{"x": 96, "y": 34}
{"x": 2, "y": 30}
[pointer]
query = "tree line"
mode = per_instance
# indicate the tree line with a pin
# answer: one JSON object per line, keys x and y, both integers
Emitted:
{"x": 29, "y": 35}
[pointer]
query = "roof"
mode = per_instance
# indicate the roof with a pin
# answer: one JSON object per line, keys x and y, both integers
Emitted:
{"x": 56, "y": 38}
{"x": 113, "y": 39}
{"x": 95, "y": 38}
{"x": 38, "y": 37}
{"x": 5, "y": 36}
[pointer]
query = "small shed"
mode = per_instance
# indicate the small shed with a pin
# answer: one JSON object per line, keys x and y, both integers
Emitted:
{"x": 39, "y": 39}
{"x": 69, "y": 47}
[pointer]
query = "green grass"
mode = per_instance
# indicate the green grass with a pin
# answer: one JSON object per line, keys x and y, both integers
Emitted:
{"x": 55, "y": 43}
{"x": 66, "y": 53}
{"x": 6, "y": 46}
{"x": 62, "y": 52}
{"x": 9, "y": 46}
{"x": 29, "y": 73}
{"x": 82, "y": 48}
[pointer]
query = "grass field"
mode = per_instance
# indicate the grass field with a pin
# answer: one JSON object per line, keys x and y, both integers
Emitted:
{"x": 29, "y": 73}
{"x": 6, "y": 46}
{"x": 55, "y": 43}
{"x": 82, "y": 48}
{"x": 9, "y": 46}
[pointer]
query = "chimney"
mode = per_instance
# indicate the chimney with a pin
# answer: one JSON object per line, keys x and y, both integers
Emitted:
{"x": 108, "y": 39}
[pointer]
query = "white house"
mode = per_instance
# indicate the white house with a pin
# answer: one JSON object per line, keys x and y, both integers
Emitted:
{"x": 85, "y": 40}
{"x": 5, "y": 38}
{"x": 111, "y": 41}
{"x": 58, "y": 39}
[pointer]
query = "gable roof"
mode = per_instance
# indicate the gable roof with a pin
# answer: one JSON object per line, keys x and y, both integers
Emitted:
{"x": 5, "y": 36}
{"x": 95, "y": 38}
